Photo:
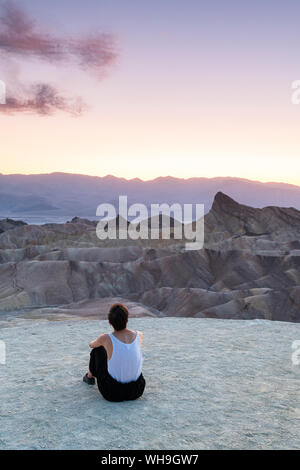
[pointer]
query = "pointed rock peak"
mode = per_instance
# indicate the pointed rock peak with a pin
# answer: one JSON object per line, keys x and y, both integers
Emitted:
{"x": 119, "y": 219}
{"x": 222, "y": 199}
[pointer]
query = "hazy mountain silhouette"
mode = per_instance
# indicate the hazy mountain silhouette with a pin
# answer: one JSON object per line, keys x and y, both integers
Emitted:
{"x": 73, "y": 194}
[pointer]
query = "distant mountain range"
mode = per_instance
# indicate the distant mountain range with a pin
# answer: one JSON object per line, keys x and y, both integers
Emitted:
{"x": 59, "y": 194}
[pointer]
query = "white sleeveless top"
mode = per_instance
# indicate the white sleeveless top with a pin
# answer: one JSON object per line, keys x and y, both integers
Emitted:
{"x": 125, "y": 364}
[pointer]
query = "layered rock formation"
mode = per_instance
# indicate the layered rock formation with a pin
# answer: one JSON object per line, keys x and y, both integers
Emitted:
{"x": 249, "y": 267}
{"x": 9, "y": 224}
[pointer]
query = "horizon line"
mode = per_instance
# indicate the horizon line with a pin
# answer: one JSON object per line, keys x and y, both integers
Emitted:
{"x": 136, "y": 178}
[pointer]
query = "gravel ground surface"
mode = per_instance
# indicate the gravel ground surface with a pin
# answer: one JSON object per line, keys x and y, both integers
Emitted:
{"x": 211, "y": 384}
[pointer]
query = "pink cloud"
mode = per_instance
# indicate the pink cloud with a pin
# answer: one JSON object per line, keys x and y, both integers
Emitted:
{"x": 20, "y": 37}
{"x": 43, "y": 99}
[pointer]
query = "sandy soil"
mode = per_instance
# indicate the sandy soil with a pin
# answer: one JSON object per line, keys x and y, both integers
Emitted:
{"x": 211, "y": 384}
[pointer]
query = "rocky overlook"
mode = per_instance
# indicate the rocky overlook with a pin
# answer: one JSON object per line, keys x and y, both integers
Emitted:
{"x": 238, "y": 389}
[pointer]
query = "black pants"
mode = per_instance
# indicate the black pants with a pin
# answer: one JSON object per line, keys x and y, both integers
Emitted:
{"x": 110, "y": 388}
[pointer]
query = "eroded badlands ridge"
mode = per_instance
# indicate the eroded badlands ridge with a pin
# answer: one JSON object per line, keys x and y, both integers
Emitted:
{"x": 248, "y": 268}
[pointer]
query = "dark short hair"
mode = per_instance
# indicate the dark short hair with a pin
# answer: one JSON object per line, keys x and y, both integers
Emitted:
{"x": 118, "y": 316}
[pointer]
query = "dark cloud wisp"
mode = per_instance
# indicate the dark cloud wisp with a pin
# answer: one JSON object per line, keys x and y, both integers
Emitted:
{"x": 42, "y": 99}
{"x": 20, "y": 37}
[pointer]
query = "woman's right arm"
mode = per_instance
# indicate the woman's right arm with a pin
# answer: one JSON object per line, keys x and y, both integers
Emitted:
{"x": 98, "y": 341}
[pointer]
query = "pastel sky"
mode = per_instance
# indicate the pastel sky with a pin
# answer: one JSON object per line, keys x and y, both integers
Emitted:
{"x": 192, "y": 88}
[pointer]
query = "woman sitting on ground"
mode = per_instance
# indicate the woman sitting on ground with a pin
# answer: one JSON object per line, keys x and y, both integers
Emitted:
{"x": 116, "y": 359}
